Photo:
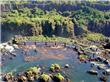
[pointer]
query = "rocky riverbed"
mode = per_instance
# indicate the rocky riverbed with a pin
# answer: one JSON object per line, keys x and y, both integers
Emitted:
{"x": 36, "y": 53}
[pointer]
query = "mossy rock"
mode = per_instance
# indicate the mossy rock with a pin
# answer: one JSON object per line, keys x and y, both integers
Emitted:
{"x": 29, "y": 73}
{"x": 58, "y": 77}
{"x": 8, "y": 76}
{"x": 45, "y": 78}
{"x": 22, "y": 79}
{"x": 83, "y": 56}
{"x": 55, "y": 67}
{"x": 33, "y": 70}
{"x": 31, "y": 78}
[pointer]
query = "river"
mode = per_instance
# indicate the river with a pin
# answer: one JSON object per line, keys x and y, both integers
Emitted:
{"x": 76, "y": 72}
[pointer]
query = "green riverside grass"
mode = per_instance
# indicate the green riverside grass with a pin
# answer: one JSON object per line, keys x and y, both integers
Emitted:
{"x": 44, "y": 39}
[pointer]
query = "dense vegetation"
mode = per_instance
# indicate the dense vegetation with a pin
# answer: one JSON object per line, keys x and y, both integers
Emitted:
{"x": 37, "y": 22}
{"x": 84, "y": 21}
{"x": 89, "y": 19}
